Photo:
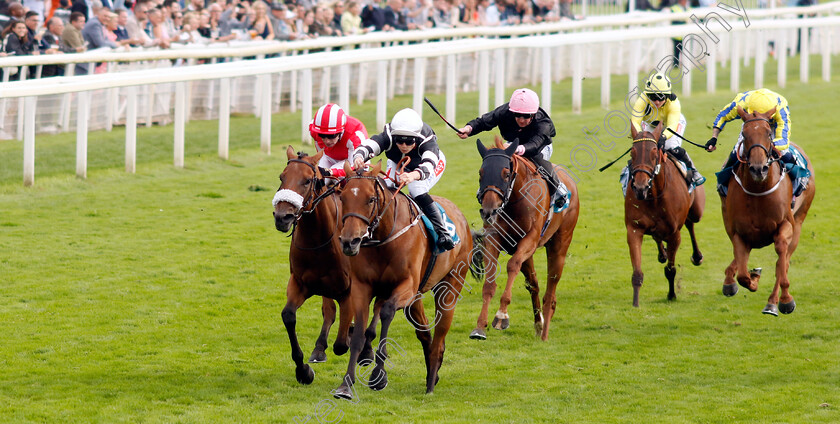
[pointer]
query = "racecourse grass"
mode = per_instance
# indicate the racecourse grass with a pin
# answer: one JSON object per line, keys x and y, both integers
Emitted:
{"x": 156, "y": 297}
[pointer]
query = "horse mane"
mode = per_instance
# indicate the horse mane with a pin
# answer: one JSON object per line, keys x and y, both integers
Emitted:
{"x": 517, "y": 160}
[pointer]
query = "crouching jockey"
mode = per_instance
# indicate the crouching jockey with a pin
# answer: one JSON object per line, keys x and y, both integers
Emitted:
{"x": 408, "y": 135}
{"x": 659, "y": 104}
{"x": 758, "y": 101}
{"x": 522, "y": 118}
{"x": 338, "y": 135}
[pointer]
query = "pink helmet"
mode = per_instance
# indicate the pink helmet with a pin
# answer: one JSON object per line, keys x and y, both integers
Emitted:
{"x": 330, "y": 119}
{"x": 524, "y": 100}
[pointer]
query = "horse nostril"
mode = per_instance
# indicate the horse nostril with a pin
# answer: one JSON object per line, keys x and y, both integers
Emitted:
{"x": 765, "y": 169}
{"x": 356, "y": 241}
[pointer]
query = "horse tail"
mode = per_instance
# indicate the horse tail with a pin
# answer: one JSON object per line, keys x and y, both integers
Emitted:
{"x": 477, "y": 255}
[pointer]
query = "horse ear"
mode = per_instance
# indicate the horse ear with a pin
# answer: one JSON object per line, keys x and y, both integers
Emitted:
{"x": 633, "y": 132}
{"x": 657, "y": 132}
{"x": 290, "y": 152}
{"x": 512, "y": 148}
{"x": 375, "y": 169}
{"x": 499, "y": 142}
{"x": 318, "y": 156}
{"x": 481, "y": 149}
{"x": 743, "y": 114}
{"x": 769, "y": 113}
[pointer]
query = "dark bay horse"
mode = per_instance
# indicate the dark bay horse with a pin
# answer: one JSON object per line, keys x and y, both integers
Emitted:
{"x": 317, "y": 265}
{"x": 515, "y": 206}
{"x": 657, "y": 203}
{"x": 757, "y": 212}
{"x": 390, "y": 253}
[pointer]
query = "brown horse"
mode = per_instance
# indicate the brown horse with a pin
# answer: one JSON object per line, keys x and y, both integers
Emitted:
{"x": 657, "y": 203}
{"x": 390, "y": 255}
{"x": 515, "y": 206}
{"x": 318, "y": 268}
{"x": 757, "y": 212}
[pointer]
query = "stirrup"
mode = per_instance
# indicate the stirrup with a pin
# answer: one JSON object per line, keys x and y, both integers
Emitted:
{"x": 445, "y": 242}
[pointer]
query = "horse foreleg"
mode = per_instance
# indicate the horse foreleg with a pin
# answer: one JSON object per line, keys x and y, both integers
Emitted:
{"x": 491, "y": 270}
{"x": 745, "y": 277}
{"x": 294, "y": 298}
{"x": 345, "y": 316}
{"x": 524, "y": 251}
{"x": 670, "y": 268}
{"x": 634, "y": 242}
{"x": 660, "y": 251}
{"x": 361, "y": 295}
{"x": 533, "y": 287}
{"x": 370, "y": 334}
{"x": 319, "y": 354}
{"x": 786, "y": 304}
{"x": 401, "y": 297}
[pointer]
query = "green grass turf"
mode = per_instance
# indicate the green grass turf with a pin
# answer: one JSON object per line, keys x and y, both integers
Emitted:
{"x": 156, "y": 297}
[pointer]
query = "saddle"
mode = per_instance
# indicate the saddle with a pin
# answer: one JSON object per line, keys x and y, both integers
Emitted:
{"x": 682, "y": 168}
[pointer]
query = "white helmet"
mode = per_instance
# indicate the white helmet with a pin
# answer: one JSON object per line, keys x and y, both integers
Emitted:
{"x": 407, "y": 122}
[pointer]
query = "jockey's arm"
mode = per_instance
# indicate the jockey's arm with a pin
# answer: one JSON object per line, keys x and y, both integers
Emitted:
{"x": 782, "y": 120}
{"x": 369, "y": 149}
{"x": 486, "y": 122}
{"x": 728, "y": 113}
{"x": 638, "y": 113}
{"x": 672, "y": 118}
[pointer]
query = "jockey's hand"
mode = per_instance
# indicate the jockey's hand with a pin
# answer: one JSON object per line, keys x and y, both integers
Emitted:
{"x": 520, "y": 150}
{"x": 407, "y": 177}
{"x": 465, "y": 132}
{"x": 358, "y": 163}
{"x": 710, "y": 145}
{"x": 326, "y": 173}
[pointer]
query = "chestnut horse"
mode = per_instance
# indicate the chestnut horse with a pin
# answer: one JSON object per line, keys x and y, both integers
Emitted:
{"x": 657, "y": 203}
{"x": 318, "y": 268}
{"x": 390, "y": 253}
{"x": 515, "y": 206}
{"x": 757, "y": 212}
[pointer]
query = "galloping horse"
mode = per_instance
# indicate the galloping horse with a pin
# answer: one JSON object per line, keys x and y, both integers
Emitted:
{"x": 757, "y": 212}
{"x": 658, "y": 203}
{"x": 318, "y": 268}
{"x": 390, "y": 256}
{"x": 515, "y": 207}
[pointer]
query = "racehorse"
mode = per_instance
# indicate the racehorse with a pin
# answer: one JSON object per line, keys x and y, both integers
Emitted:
{"x": 515, "y": 207}
{"x": 390, "y": 256}
{"x": 658, "y": 203}
{"x": 318, "y": 268}
{"x": 757, "y": 211}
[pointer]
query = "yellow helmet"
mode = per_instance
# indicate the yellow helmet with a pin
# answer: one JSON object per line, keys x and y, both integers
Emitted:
{"x": 658, "y": 83}
{"x": 761, "y": 101}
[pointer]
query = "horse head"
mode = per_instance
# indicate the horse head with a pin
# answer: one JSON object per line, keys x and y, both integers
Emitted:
{"x": 300, "y": 183}
{"x": 495, "y": 178}
{"x": 645, "y": 161}
{"x": 758, "y": 143}
{"x": 361, "y": 199}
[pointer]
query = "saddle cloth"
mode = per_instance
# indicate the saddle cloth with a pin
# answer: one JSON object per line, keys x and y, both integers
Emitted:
{"x": 450, "y": 228}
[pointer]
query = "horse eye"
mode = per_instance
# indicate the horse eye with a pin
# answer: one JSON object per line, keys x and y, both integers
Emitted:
{"x": 306, "y": 182}
{"x": 371, "y": 201}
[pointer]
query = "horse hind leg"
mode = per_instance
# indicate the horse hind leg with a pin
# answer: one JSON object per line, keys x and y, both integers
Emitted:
{"x": 402, "y": 297}
{"x": 445, "y": 301}
{"x": 319, "y": 354}
{"x": 533, "y": 287}
{"x": 786, "y": 304}
{"x": 556, "y": 263}
{"x": 417, "y": 318}
{"x": 491, "y": 266}
{"x": 670, "y": 268}
{"x": 696, "y": 255}
{"x": 370, "y": 334}
{"x": 660, "y": 251}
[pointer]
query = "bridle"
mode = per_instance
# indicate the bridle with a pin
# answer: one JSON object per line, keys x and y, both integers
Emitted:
{"x": 771, "y": 154}
{"x": 509, "y": 181}
{"x": 312, "y": 200}
{"x": 376, "y": 215}
{"x": 650, "y": 173}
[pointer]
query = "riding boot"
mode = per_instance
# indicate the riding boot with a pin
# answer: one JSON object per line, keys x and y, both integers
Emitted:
{"x": 724, "y": 180}
{"x": 692, "y": 174}
{"x": 556, "y": 189}
{"x": 799, "y": 184}
{"x": 430, "y": 209}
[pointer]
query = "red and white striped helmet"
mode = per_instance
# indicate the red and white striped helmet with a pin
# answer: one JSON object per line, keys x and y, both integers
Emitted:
{"x": 330, "y": 119}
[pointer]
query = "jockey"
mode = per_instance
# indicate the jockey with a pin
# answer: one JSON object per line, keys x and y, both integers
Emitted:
{"x": 522, "y": 119}
{"x": 408, "y": 135}
{"x": 338, "y": 135}
{"x": 758, "y": 101}
{"x": 660, "y": 104}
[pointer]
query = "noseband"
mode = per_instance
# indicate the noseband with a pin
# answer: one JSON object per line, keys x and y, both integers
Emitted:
{"x": 657, "y": 167}
{"x": 509, "y": 181}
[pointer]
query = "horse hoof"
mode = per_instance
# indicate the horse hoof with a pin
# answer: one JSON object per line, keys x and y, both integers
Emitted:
{"x": 339, "y": 349}
{"x": 730, "y": 290}
{"x": 755, "y": 272}
{"x": 697, "y": 260}
{"x": 317, "y": 357}
{"x": 787, "y": 308}
{"x": 304, "y": 374}
{"x": 478, "y": 334}
{"x": 771, "y": 309}
{"x": 343, "y": 392}
{"x": 380, "y": 382}
{"x": 501, "y": 324}
{"x": 365, "y": 356}
{"x": 661, "y": 258}
{"x": 672, "y": 297}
